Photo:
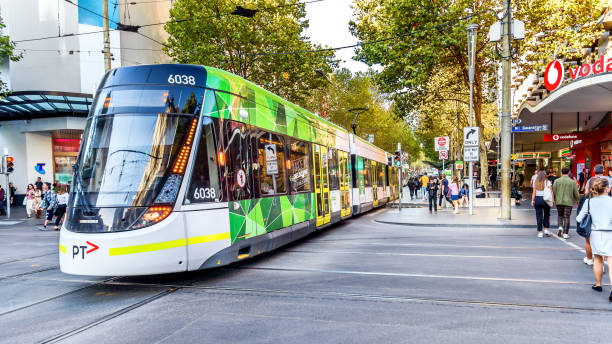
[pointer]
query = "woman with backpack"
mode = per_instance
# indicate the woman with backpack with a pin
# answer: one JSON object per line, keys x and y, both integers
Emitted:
{"x": 598, "y": 207}
{"x": 541, "y": 187}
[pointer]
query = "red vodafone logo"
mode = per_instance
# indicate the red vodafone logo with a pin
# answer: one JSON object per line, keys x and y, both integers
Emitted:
{"x": 553, "y": 76}
{"x": 555, "y": 137}
{"x": 441, "y": 141}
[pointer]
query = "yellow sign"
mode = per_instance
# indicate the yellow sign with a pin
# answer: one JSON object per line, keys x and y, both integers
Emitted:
{"x": 513, "y": 156}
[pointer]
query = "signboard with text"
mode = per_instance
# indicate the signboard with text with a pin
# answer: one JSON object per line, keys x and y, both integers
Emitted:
{"x": 560, "y": 137}
{"x": 471, "y": 136}
{"x": 441, "y": 143}
{"x": 529, "y": 128}
{"x": 470, "y": 153}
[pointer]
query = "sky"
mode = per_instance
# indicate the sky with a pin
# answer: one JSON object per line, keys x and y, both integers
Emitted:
{"x": 329, "y": 21}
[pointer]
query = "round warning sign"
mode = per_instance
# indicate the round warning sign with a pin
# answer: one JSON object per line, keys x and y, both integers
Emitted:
{"x": 241, "y": 178}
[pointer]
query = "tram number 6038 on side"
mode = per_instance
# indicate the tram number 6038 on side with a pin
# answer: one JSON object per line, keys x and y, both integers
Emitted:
{"x": 181, "y": 79}
{"x": 204, "y": 193}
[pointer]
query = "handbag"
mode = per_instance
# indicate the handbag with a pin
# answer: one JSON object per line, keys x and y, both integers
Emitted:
{"x": 548, "y": 196}
{"x": 584, "y": 227}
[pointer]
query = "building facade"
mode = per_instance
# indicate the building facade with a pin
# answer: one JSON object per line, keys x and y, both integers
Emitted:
{"x": 51, "y": 87}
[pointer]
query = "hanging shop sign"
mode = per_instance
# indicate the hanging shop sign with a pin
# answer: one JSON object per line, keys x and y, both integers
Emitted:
{"x": 565, "y": 152}
{"x": 606, "y": 147}
{"x": 530, "y": 128}
{"x": 560, "y": 137}
{"x": 532, "y": 155}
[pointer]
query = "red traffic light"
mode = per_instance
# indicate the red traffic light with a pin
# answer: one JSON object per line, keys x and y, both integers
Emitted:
{"x": 9, "y": 159}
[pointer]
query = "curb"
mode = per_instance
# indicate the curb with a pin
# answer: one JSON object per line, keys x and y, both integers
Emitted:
{"x": 477, "y": 225}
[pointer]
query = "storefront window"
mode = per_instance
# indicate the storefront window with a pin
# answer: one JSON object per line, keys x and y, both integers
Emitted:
{"x": 65, "y": 150}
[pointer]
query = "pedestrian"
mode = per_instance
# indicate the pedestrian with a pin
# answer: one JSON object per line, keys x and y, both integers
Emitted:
{"x": 542, "y": 209}
{"x": 492, "y": 180}
{"x": 464, "y": 194}
{"x": 411, "y": 188}
{"x": 598, "y": 206}
{"x": 521, "y": 179}
{"x": 453, "y": 188}
{"x": 12, "y": 190}
{"x": 424, "y": 181}
{"x": 432, "y": 192}
{"x": 60, "y": 207}
{"x": 2, "y": 199}
{"x": 443, "y": 190}
{"x": 534, "y": 177}
{"x": 566, "y": 195}
{"x": 516, "y": 194}
{"x": 30, "y": 200}
{"x": 48, "y": 203}
{"x": 581, "y": 180}
{"x": 599, "y": 172}
{"x": 37, "y": 200}
{"x": 38, "y": 183}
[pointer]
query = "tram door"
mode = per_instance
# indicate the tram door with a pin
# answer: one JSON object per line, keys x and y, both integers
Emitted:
{"x": 321, "y": 184}
{"x": 345, "y": 181}
{"x": 374, "y": 176}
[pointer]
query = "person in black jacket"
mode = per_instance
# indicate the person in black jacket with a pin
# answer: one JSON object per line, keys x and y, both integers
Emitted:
{"x": 432, "y": 192}
{"x": 411, "y": 187}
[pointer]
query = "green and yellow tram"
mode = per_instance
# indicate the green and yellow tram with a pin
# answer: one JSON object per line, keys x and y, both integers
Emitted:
{"x": 185, "y": 167}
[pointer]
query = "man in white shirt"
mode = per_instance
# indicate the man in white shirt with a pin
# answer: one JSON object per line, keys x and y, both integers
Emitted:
{"x": 599, "y": 173}
{"x": 533, "y": 178}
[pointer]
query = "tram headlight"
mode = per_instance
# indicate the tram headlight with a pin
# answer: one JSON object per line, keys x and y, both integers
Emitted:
{"x": 152, "y": 216}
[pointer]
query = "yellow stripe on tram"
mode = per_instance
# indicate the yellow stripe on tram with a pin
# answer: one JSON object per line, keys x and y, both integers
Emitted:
{"x": 118, "y": 251}
{"x": 208, "y": 238}
{"x": 62, "y": 248}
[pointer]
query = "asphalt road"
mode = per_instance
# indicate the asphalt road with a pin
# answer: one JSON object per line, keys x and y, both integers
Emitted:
{"x": 358, "y": 282}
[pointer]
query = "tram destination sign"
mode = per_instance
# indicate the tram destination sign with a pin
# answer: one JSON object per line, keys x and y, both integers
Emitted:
{"x": 529, "y": 128}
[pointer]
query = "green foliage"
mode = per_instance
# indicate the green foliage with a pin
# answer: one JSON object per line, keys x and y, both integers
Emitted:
{"x": 556, "y": 29}
{"x": 203, "y": 32}
{"x": 7, "y": 51}
{"x": 347, "y": 91}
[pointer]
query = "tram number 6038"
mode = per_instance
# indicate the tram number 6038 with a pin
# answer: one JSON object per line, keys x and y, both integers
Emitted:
{"x": 181, "y": 79}
{"x": 204, "y": 193}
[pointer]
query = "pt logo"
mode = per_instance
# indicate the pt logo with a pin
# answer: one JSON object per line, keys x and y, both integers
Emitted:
{"x": 83, "y": 249}
{"x": 40, "y": 168}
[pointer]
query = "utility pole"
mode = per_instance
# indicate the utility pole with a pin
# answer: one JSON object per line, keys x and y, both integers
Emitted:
{"x": 107, "y": 55}
{"x": 401, "y": 184}
{"x": 506, "y": 106}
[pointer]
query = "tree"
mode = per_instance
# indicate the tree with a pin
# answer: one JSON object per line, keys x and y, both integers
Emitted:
{"x": 7, "y": 51}
{"x": 205, "y": 32}
{"x": 432, "y": 41}
{"x": 349, "y": 91}
{"x": 564, "y": 29}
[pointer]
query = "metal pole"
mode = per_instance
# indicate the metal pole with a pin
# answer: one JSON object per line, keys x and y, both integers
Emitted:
{"x": 107, "y": 56}
{"x": 401, "y": 184}
{"x": 471, "y": 52}
{"x": 505, "y": 123}
{"x": 8, "y": 199}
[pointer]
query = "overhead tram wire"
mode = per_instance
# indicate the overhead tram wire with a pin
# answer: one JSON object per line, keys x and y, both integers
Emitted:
{"x": 127, "y": 28}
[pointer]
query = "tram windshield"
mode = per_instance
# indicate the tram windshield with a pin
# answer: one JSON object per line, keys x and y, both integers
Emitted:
{"x": 125, "y": 156}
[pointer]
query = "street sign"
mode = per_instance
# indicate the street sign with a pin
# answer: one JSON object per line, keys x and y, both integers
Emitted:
{"x": 443, "y": 155}
{"x": 459, "y": 165}
{"x": 516, "y": 121}
{"x": 441, "y": 143}
{"x": 470, "y": 136}
{"x": 530, "y": 128}
{"x": 513, "y": 156}
{"x": 470, "y": 153}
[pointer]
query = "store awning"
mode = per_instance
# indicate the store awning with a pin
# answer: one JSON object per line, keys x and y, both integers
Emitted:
{"x": 42, "y": 104}
{"x": 578, "y": 106}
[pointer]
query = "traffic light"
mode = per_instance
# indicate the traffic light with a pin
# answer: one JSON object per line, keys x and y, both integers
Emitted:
{"x": 398, "y": 158}
{"x": 9, "y": 164}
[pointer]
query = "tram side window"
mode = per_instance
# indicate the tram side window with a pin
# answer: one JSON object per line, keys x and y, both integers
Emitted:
{"x": 367, "y": 176}
{"x": 271, "y": 162}
{"x": 379, "y": 173}
{"x": 299, "y": 175}
{"x": 204, "y": 185}
{"x": 238, "y": 161}
{"x": 334, "y": 181}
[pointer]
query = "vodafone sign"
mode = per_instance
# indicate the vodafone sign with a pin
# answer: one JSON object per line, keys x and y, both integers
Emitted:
{"x": 553, "y": 76}
{"x": 560, "y": 137}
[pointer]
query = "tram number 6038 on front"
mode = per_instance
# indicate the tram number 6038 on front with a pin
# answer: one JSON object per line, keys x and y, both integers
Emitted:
{"x": 204, "y": 193}
{"x": 181, "y": 79}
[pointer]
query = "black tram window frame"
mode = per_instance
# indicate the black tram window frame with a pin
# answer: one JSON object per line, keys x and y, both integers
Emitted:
{"x": 354, "y": 179}
{"x": 332, "y": 164}
{"x": 290, "y": 140}
{"x": 256, "y": 134}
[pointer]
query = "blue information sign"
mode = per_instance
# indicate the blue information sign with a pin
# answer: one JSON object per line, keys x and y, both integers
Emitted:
{"x": 528, "y": 128}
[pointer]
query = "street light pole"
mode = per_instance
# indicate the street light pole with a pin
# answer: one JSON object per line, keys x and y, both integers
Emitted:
{"x": 505, "y": 120}
{"x": 357, "y": 112}
{"x": 471, "y": 61}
